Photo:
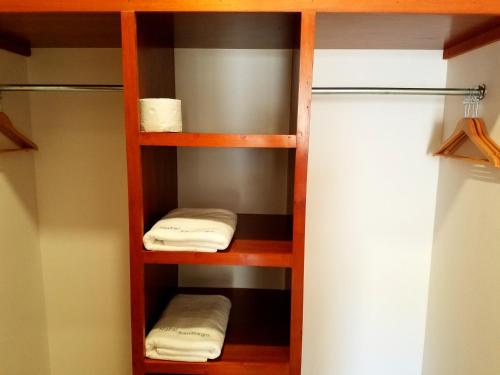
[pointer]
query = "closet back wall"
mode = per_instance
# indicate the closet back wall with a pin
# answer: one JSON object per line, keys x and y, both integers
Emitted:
{"x": 233, "y": 91}
{"x": 370, "y": 213}
{"x": 82, "y": 198}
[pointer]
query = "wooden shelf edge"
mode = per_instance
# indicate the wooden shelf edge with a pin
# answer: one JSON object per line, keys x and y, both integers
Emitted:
{"x": 381, "y": 6}
{"x": 472, "y": 43}
{"x": 216, "y": 367}
{"x": 218, "y": 140}
{"x": 278, "y": 255}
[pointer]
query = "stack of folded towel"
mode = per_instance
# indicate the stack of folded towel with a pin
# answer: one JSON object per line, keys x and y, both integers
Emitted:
{"x": 191, "y": 329}
{"x": 192, "y": 229}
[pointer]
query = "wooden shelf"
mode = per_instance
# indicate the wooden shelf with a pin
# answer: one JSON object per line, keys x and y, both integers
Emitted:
{"x": 260, "y": 240}
{"x": 398, "y": 31}
{"x": 257, "y": 338}
{"x": 344, "y": 6}
{"x": 240, "y": 252}
{"x": 63, "y": 30}
{"x": 218, "y": 140}
{"x": 227, "y": 30}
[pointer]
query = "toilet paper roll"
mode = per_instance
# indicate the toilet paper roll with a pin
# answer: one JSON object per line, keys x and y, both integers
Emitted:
{"x": 161, "y": 115}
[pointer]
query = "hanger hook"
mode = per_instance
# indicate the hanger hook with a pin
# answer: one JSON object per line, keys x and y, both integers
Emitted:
{"x": 476, "y": 107}
{"x": 467, "y": 105}
{"x": 472, "y": 104}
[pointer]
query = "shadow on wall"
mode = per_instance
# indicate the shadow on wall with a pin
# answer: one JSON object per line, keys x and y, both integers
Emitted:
{"x": 213, "y": 277}
{"x": 81, "y": 176}
{"x": 16, "y": 169}
{"x": 231, "y": 277}
{"x": 436, "y": 138}
{"x": 459, "y": 175}
{"x": 483, "y": 173}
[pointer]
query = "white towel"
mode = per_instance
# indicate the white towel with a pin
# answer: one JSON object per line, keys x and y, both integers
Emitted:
{"x": 191, "y": 329}
{"x": 192, "y": 229}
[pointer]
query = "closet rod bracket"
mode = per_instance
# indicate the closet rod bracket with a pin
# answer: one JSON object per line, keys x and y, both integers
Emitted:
{"x": 482, "y": 91}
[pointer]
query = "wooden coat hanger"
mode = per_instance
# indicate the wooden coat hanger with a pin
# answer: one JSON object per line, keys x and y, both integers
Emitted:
{"x": 472, "y": 128}
{"x": 7, "y": 129}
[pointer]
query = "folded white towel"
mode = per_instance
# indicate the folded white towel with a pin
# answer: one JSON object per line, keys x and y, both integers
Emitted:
{"x": 192, "y": 229}
{"x": 191, "y": 329}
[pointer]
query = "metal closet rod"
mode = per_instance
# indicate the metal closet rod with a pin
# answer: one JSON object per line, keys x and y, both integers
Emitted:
{"x": 478, "y": 92}
{"x": 61, "y": 87}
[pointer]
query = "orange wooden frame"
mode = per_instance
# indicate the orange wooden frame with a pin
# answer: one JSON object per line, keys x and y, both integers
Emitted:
{"x": 145, "y": 150}
{"x": 361, "y": 6}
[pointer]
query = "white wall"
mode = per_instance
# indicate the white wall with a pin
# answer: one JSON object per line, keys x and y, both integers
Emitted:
{"x": 370, "y": 214}
{"x": 463, "y": 330}
{"x": 81, "y": 188}
{"x": 23, "y": 330}
{"x": 233, "y": 91}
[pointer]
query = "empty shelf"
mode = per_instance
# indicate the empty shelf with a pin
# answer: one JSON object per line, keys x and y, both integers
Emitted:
{"x": 218, "y": 140}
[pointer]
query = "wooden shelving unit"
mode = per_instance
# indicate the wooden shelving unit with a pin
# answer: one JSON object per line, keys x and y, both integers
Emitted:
{"x": 265, "y": 329}
{"x": 264, "y": 333}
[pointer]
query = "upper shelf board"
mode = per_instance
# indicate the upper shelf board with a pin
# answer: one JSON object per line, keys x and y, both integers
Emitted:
{"x": 63, "y": 30}
{"x": 398, "y": 31}
{"x": 234, "y": 30}
{"x": 190, "y": 30}
{"x": 247, "y": 30}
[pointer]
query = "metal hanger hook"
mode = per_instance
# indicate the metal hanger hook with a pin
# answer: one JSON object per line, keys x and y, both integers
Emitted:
{"x": 476, "y": 106}
{"x": 467, "y": 105}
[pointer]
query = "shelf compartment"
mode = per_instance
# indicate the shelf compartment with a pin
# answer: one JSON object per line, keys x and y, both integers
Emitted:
{"x": 218, "y": 140}
{"x": 259, "y": 240}
{"x": 257, "y": 338}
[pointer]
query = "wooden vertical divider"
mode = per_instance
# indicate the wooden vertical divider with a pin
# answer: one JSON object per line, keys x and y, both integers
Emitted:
{"x": 294, "y": 98}
{"x": 156, "y": 71}
{"x": 148, "y": 71}
{"x": 131, "y": 95}
{"x": 306, "y": 55}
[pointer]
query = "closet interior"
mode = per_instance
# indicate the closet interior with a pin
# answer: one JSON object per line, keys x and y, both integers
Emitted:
{"x": 23, "y": 31}
{"x": 267, "y": 157}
